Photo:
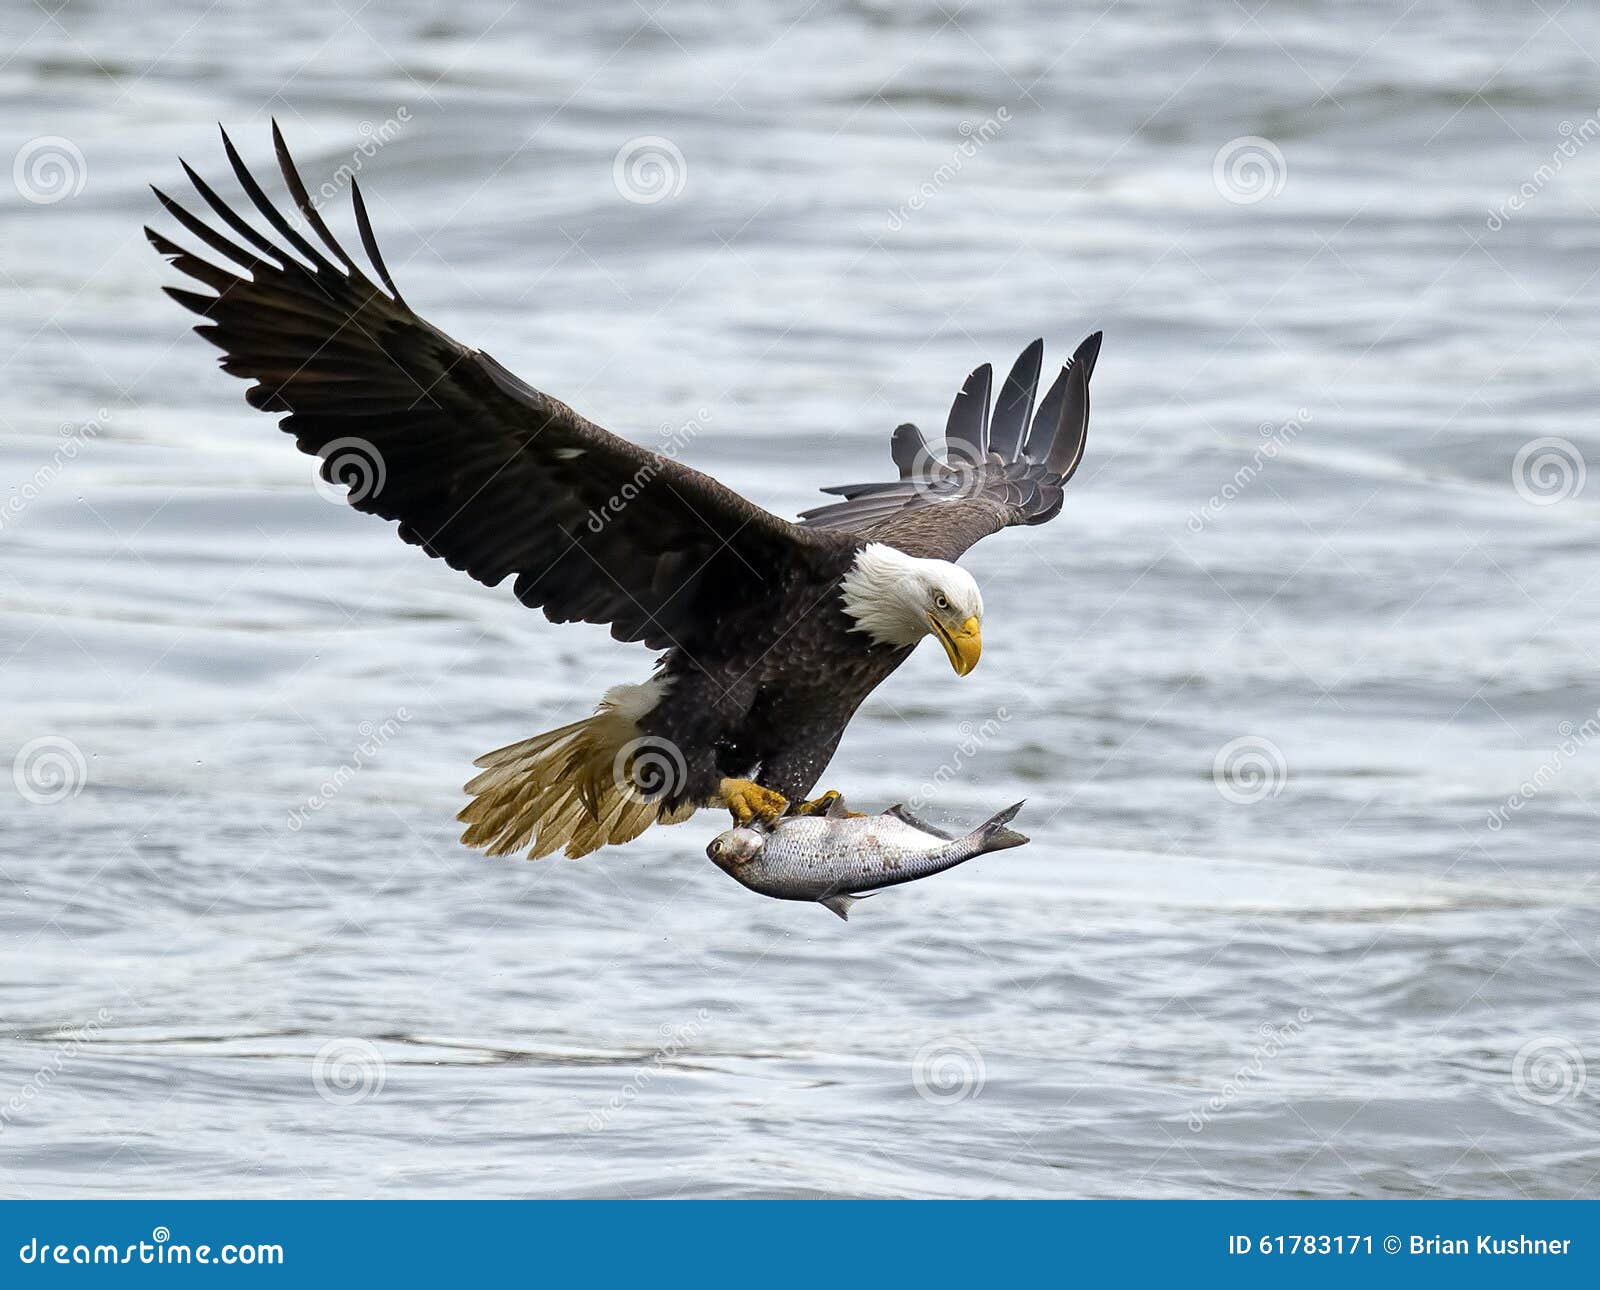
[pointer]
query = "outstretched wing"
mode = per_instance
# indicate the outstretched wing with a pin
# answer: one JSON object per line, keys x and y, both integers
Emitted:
{"x": 987, "y": 473}
{"x": 480, "y": 469}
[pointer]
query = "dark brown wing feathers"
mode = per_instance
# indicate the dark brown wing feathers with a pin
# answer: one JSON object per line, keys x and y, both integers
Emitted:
{"x": 966, "y": 431}
{"x": 1015, "y": 405}
{"x": 479, "y": 468}
{"x": 994, "y": 472}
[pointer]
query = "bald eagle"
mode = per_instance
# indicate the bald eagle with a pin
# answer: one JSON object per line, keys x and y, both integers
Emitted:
{"x": 773, "y": 632}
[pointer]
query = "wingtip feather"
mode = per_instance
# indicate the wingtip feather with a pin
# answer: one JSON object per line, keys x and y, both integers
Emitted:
{"x": 303, "y": 203}
{"x": 369, "y": 242}
{"x": 968, "y": 423}
{"x": 1008, "y": 426}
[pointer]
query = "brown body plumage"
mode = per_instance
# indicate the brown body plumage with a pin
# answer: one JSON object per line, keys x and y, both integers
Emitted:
{"x": 765, "y": 660}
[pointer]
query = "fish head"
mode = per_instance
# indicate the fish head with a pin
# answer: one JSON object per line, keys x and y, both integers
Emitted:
{"x": 736, "y": 847}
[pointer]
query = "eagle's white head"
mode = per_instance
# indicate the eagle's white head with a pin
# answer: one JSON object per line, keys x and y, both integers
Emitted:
{"x": 897, "y": 599}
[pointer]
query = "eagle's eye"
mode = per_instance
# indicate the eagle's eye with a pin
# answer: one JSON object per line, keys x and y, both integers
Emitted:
{"x": 940, "y": 602}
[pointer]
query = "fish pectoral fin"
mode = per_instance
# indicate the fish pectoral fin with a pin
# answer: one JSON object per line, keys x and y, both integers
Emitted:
{"x": 840, "y": 905}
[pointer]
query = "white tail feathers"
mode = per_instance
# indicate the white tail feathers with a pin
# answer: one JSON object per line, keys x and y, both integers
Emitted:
{"x": 586, "y": 785}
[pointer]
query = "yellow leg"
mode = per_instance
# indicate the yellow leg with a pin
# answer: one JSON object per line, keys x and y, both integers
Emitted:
{"x": 822, "y": 805}
{"x": 750, "y": 802}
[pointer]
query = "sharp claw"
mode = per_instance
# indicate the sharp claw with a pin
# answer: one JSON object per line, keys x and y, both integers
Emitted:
{"x": 829, "y": 803}
{"x": 750, "y": 803}
{"x": 817, "y": 805}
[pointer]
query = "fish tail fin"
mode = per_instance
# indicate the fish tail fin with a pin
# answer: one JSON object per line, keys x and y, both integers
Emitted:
{"x": 993, "y": 835}
{"x": 573, "y": 788}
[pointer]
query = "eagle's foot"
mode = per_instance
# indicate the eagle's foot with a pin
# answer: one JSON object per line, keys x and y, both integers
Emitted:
{"x": 829, "y": 803}
{"x": 826, "y": 804}
{"x": 750, "y": 803}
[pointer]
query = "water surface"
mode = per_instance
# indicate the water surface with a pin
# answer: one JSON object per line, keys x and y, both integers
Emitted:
{"x": 1298, "y": 535}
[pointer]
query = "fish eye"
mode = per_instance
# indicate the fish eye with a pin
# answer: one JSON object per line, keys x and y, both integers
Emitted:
{"x": 716, "y": 847}
{"x": 940, "y": 602}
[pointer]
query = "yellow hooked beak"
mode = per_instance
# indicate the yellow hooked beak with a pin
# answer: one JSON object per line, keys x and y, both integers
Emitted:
{"x": 963, "y": 645}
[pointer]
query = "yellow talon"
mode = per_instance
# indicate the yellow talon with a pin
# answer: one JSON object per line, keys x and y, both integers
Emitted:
{"x": 749, "y": 802}
{"x": 822, "y": 805}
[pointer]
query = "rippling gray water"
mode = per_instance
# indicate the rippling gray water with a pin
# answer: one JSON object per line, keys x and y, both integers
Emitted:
{"x": 1345, "y": 260}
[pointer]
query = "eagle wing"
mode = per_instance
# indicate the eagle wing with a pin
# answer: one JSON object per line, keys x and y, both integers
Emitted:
{"x": 480, "y": 469}
{"x": 990, "y": 471}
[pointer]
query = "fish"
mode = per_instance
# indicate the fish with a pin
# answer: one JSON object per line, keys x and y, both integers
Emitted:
{"x": 839, "y": 857}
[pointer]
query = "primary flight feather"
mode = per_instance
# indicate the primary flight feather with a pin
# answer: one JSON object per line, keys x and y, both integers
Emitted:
{"x": 774, "y": 632}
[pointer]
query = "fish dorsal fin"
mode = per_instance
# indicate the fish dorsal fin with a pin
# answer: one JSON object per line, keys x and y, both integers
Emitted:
{"x": 836, "y": 810}
{"x": 900, "y": 813}
{"x": 840, "y": 905}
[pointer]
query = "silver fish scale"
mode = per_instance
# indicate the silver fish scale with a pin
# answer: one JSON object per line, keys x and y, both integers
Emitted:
{"x": 811, "y": 857}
